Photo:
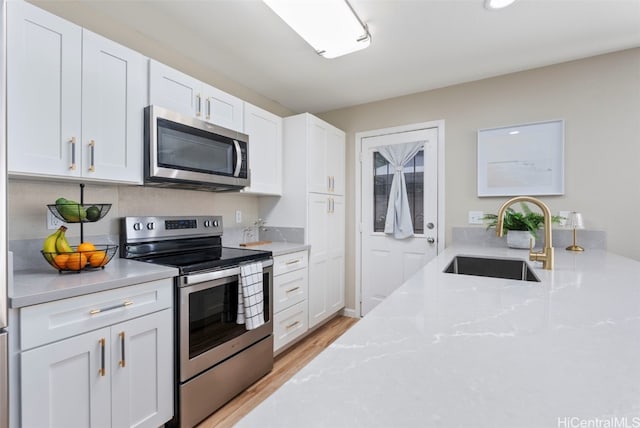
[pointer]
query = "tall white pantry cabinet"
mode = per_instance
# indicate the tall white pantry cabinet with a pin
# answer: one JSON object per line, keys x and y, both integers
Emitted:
{"x": 313, "y": 198}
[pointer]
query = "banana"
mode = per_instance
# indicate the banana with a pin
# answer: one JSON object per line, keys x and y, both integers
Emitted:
{"x": 49, "y": 245}
{"x": 62, "y": 246}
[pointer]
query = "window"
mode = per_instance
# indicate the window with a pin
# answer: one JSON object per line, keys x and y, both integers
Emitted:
{"x": 414, "y": 177}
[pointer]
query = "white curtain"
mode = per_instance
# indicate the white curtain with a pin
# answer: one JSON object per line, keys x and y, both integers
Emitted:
{"x": 398, "y": 221}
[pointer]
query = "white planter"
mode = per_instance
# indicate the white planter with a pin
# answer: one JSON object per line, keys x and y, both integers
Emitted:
{"x": 520, "y": 239}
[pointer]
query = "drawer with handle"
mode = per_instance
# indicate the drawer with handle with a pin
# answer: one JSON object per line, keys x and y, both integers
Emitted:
{"x": 289, "y": 325}
{"x": 290, "y": 288}
{"x": 290, "y": 262}
{"x": 53, "y": 321}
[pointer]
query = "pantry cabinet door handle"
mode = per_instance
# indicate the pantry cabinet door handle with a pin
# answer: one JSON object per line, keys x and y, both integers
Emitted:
{"x": 333, "y": 183}
{"x": 122, "y": 362}
{"x": 102, "y": 371}
{"x": 329, "y": 183}
{"x": 72, "y": 141}
{"x": 92, "y": 146}
{"x": 198, "y": 105}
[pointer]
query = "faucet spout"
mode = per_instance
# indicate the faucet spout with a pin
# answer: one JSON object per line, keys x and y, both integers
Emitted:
{"x": 546, "y": 255}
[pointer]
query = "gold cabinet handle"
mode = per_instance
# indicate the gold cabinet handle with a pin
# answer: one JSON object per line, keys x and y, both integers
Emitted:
{"x": 292, "y": 262}
{"x": 208, "y": 108}
{"x": 72, "y": 141}
{"x": 110, "y": 308}
{"x": 293, "y": 324}
{"x": 122, "y": 362}
{"x": 92, "y": 146}
{"x": 102, "y": 371}
{"x": 291, "y": 290}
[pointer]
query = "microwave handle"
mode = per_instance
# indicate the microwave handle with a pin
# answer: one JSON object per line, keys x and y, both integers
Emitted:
{"x": 236, "y": 173}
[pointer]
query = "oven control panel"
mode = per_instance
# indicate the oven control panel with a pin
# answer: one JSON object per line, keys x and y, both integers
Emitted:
{"x": 134, "y": 229}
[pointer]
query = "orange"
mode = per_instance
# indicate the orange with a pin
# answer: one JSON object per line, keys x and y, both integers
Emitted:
{"x": 98, "y": 258}
{"x": 86, "y": 248}
{"x": 60, "y": 261}
{"x": 76, "y": 261}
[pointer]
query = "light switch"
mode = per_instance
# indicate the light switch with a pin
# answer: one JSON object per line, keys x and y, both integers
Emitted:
{"x": 475, "y": 217}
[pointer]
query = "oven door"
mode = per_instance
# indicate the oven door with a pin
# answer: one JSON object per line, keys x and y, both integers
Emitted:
{"x": 208, "y": 332}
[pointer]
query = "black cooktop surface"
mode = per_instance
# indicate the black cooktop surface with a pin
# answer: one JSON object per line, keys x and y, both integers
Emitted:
{"x": 207, "y": 259}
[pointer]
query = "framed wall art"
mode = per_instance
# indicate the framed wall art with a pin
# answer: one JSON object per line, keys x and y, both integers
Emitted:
{"x": 523, "y": 159}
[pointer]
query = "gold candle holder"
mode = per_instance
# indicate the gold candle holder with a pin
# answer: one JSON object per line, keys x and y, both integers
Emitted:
{"x": 575, "y": 222}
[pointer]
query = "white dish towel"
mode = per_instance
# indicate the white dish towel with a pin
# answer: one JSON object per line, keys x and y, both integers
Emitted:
{"x": 250, "y": 296}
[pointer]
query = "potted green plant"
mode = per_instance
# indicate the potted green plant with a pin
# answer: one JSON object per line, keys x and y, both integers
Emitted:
{"x": 520, "y": 227}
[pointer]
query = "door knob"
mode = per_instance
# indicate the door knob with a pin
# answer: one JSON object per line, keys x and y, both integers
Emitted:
{"x": 431, "y": 240}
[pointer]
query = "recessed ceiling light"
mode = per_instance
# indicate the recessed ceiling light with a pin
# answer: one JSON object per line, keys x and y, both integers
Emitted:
{"x": 331, "y": 27}
{"x": 497, "y": 4}
{"x": 514, "y": 132}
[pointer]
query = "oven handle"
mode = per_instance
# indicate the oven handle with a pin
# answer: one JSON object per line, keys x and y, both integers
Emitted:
{"x": 218, "y": 274}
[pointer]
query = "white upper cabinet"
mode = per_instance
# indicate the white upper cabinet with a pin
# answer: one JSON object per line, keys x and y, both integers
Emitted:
{"x": 179, "y": 92}
{"x": 75, "y": 100}
{"x": 43, "y": 91}
{"x": 326, "y": 157}
{"x": 265, "y": 150}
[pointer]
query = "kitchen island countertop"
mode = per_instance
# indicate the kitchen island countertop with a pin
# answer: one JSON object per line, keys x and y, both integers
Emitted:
{"x": 449, "y": 350}
{"x": 41, "y": 285}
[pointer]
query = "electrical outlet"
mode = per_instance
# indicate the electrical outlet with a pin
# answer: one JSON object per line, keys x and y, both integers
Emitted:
{"x": 563, "y": 217}
{"x": 475, "y": 217}
{"x": 238, "y": 216}
{"x": 53, "y": 222}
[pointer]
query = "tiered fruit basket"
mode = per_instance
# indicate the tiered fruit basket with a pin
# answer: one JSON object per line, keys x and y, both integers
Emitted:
{"x": 86, "y": 256}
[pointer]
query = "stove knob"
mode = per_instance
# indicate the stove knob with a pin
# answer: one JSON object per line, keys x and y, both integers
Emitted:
{"x": 215, "y": 223}
{"x": 207, "y": 223}
{"x": 151, "y": 226}
{"x": 137, "y": 226}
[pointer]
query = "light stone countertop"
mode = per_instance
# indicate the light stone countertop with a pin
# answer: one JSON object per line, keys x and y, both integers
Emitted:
{"x": 278, "y": 248}
{"x": 41, "y": 285}
{"x": 450, "y": 350}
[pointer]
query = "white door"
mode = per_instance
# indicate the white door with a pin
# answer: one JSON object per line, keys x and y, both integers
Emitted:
{"x": 114, "y": 94}
{"x": 387, "y": 262}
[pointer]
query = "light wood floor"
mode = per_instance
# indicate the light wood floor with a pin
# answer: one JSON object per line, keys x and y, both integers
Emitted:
{"x": 284, "y": 367}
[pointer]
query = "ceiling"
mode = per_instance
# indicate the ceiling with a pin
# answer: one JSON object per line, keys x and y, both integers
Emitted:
{"x": 417, "y": 45}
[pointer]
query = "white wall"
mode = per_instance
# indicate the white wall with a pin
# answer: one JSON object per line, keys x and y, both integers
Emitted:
{"x": 599, "y": 99}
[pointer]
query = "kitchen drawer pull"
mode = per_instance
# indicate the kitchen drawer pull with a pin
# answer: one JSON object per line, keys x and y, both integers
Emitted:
{"x": 293, "y": 324}
{"x": 92, "y": 145}
{"x": 293, "y": 262}
{"x": 291, "y": 290}
{"x": 110, "y": 308}
{"x": 122, "y": 362}
{"x": 102, "y": 371}
{"x": 72, "y": 141}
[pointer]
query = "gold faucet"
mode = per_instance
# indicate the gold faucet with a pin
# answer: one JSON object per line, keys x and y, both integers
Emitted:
{"x": 546, "y": 255}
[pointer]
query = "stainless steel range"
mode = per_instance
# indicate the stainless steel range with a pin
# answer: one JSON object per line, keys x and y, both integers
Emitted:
{"x": 216, "y": 358}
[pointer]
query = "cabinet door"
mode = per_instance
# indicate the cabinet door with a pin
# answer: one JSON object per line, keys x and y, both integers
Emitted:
{"x": 62, "y": 386}
{"x": 335, "y": 254}
{"x": 174, "y": 90}
{"x": 265, "y": 150}
{"x": 142, "y": 371}
{"x": 335, "y": 141}
{"x": 43, "y": 92}
{"x": 318, "y": 179}
{"x": 318, "y": 258}
{"x": 113, "y": 98}
{"x": 222, "y": 109}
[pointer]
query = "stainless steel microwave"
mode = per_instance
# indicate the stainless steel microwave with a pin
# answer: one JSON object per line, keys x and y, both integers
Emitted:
{"x": 189, "y": 153}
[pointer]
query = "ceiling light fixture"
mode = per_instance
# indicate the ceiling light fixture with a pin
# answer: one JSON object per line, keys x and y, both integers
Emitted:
{"x": 331, "y": 27}
{"x": 497, "y": 4}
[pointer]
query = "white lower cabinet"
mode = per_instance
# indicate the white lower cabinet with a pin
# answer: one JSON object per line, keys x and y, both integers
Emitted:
{"x": 290, "y": 287}
{"x": 120, "y": 375}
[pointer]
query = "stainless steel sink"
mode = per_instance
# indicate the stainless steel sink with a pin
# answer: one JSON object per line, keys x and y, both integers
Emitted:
{"x": 495, "y": 268}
